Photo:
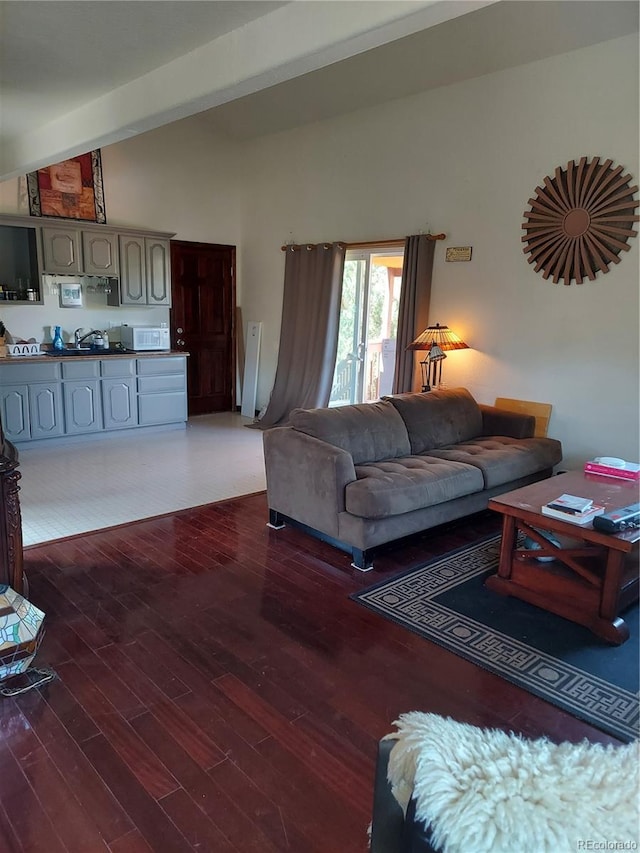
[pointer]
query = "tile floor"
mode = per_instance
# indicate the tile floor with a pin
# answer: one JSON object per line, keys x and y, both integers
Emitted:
{"x": 81, "y": 486}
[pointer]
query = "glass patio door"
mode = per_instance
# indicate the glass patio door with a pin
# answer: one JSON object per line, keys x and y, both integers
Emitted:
{"x": 368, "y": 325}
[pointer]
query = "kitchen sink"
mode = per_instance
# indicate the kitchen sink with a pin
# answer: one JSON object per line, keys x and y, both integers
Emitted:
{"x": 70, "y": 353}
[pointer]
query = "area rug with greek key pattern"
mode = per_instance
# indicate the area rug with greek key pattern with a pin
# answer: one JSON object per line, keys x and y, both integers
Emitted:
{"x": 446, "y": 602}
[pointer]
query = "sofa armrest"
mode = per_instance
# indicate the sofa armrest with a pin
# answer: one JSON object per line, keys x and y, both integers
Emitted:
{"x": 306, "y": 477}
{"x": 391, "y": 831}
{"x": 387, "y": 823}
{"x": 502, "y": 422}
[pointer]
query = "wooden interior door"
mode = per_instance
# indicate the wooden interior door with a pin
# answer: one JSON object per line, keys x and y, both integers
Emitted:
{"x": 202, "y": 322}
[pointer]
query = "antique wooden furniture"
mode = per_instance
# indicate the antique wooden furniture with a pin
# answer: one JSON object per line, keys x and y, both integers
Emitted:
{"x": 593, "y": 575}
{"x": 11, "y": 572}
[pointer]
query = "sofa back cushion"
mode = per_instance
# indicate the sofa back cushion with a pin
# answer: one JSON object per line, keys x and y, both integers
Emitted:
{"x": 437, "y": 418}
{"x": 369, "y": 431}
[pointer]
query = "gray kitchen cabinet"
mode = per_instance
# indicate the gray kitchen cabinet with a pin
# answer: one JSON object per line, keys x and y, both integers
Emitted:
{"x": 133, "y": 271}
{"x": 14, "y": 403}
{"x": 139, "y": 259}
{"x": 20, "y": 260}
{"x": 100, "y": 253}
{"x": 145, "y": 271}
{"x": 61, "y": 250}
{"x": 82, "y": 396}
{"x": 31, "y": 400}
{"x": 162, "y": 390}
{"x": 158, "y": 271}
{"x": 45, "y": 410}
{"x": 82, "y": 406}
{"x": 47, "y": 397}
{"x": 119, "y": 404}
{"x": 79, "y": 251}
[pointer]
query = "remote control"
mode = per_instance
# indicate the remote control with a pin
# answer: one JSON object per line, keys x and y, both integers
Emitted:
{"x": 618, "y": 519}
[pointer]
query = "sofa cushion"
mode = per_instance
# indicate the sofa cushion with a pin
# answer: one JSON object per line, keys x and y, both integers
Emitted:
{"x": 396, "y": 486}
{"x": 438, "y": 418}
{"x": 369, "y": 431}
{"x": 502, "y": 459}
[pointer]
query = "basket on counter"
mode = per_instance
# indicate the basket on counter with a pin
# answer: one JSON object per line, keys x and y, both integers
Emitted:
{"x": 23, "y": 349}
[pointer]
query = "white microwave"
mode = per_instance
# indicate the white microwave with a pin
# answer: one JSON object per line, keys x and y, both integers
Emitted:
{"x": 145, "y": 338}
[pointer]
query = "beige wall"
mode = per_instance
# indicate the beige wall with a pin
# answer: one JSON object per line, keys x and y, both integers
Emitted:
{"x": 462, "y": 159}
{"x": 176, "y": 179}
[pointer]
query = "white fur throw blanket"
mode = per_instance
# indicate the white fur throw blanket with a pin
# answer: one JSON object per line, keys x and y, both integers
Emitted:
{"x": 484, "y": 791}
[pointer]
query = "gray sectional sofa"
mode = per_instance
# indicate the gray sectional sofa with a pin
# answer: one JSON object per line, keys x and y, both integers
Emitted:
{"x": 365, "y": 475}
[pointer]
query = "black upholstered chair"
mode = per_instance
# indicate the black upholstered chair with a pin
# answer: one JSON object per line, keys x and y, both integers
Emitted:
{"x": 488, "y": 790}
{"x": 391, "y": 831}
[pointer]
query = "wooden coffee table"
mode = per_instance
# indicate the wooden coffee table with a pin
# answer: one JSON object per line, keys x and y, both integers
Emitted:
{"x": 593, "y": 576}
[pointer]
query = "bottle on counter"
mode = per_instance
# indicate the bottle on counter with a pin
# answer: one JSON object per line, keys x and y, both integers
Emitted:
{"x": 105, "y": 338}
{"x": 58, "y": 343}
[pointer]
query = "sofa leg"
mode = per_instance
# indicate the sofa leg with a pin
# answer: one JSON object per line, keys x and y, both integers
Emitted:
{"x": 362, "y": 560}
{"x": 275, "y": 520}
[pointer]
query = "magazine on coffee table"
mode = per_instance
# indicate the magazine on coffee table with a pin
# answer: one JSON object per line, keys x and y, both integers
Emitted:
{"x": 572, "y": 504}
{"x": 581, "y": 518}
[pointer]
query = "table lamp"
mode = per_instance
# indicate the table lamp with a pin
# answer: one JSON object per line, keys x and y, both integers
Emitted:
{"x": 435, "y": 341}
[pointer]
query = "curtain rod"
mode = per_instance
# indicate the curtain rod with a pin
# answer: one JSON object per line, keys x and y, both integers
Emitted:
{"x": 400, "y": 241}
{"x": 395, "y": 242}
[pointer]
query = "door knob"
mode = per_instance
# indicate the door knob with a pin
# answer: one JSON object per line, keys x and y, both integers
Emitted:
{"x": 180, "y": 342}
{"x": 179, "y": 330}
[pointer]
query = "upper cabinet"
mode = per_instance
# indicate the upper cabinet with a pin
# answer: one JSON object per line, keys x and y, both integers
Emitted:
{"x": 100, "y": 253}
{"x": 140, "y": 260}
{"x": 61, "y": 250}
{"x": 145, "y": 271}
{"x": 158, "y": 271}
{"x": 20, "y": 262}
{"x": 133, "y": 263}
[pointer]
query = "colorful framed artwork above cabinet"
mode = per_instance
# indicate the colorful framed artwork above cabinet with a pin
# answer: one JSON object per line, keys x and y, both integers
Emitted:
{"x": 71, "y": 189}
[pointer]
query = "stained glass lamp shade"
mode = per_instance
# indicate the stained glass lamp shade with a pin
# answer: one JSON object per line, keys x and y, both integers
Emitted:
{"x": 21, "y": 632}
{"x": 435, "y": 340}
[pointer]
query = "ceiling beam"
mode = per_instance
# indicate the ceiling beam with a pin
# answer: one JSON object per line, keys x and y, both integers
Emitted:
{"x": 295, "y": 39}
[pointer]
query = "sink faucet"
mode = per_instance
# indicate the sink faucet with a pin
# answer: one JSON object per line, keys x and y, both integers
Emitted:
{"x": 78, "y": 340}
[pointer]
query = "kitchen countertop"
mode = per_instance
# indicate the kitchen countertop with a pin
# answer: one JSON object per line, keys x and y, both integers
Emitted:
{"x": 30, "y": 359}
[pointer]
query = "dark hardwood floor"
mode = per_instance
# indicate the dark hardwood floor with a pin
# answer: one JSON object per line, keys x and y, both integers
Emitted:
{"x": 218, "y": 691}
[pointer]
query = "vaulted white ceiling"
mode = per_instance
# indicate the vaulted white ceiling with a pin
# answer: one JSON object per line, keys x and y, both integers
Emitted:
{"x": 79, "y": 74}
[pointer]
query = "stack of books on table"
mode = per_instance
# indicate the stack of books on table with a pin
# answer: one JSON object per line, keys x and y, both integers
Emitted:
{"x": 611, "y": 467}
{"x": 574, "y": 509}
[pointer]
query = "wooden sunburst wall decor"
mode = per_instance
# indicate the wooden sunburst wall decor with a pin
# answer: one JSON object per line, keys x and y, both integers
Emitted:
{"x": 580, "y": 220}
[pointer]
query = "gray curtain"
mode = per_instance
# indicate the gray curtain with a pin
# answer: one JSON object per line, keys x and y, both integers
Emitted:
{"x": 309, "y": 332}
{"x": 413, "y": 311}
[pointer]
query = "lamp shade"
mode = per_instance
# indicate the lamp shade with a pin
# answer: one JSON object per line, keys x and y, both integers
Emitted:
{"x": 436, "y": 353}
{"x": 21, "y": 632}
{"x": 440, "y": 335}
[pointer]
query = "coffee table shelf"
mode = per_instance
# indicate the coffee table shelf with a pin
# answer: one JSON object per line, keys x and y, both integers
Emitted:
{"x": 593, "y": 576}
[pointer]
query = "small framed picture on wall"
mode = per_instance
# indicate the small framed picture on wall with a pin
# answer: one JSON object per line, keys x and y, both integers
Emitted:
{"x": 70, "y": 296}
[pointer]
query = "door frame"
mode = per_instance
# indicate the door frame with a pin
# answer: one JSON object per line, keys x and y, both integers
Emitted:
{"x": 233, "y": 312}
{"x": 363, "y": 254}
